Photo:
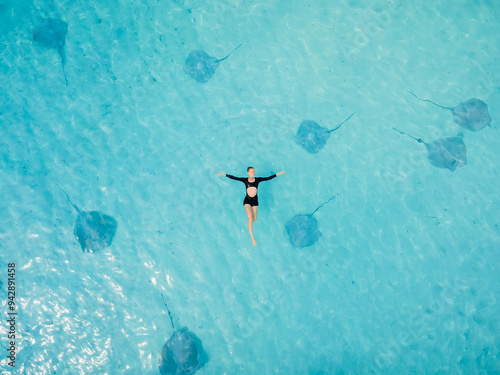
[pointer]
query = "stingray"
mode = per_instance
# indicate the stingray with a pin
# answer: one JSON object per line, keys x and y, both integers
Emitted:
{"x": 303, "y": 229}
{"x": 93, "y": 229}
{"x": 449, "y": 153}
{"x": 52, "y": 34}
{"x": 472, "y": 114}
{"x": 183, "y": 352}
{"x": 312, "y": 137}
{"x": 201, "y": 67}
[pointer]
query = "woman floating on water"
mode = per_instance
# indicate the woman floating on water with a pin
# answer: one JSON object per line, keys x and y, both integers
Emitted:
{"x": 251, "y": 201}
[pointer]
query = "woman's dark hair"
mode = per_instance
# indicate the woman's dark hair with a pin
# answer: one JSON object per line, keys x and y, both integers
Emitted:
{"x": 250, "y": 168}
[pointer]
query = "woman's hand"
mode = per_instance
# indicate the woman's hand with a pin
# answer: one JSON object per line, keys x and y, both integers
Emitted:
{"x": 220, "y": 174}
{"x": 282, "y": 172}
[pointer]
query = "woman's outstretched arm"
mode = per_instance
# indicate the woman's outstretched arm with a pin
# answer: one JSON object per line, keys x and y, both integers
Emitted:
{"x": 270, "y": 177}
{"x": 231, "y": 177}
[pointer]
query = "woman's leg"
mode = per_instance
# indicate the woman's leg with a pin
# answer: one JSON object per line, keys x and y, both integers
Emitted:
{"x": 254, "y": 210}
{"x": 248, "y": 210}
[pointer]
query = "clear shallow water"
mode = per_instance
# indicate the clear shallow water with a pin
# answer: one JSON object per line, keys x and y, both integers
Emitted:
{"x": 403, "y": 279}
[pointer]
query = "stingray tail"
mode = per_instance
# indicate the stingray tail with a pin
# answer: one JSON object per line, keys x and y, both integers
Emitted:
{"x": 332, "y": 198}
{"x": 430, "y": 101}
{"x": 63, "y": 61}
{"x": 231, "y": 52}
{"x": 169, "y": 314}
{"x": 69, "y": 200}
{"x": 411, "y": 136}
{"x": 65, "y": 78}
{"x": 342, "y": 123}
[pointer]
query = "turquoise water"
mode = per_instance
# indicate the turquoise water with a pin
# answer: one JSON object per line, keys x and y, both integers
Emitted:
{"x": 402, "y": 279}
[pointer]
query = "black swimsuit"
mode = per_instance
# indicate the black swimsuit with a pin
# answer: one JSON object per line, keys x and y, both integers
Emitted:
{"x": 252, "y": 201}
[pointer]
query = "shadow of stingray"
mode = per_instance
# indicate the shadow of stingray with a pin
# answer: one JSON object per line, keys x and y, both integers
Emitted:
{"x": 93, "y": 229}
{"x": 183, "y": 353}
{"x": 303, "y": 229}
{"x": 52, "y": 34}
{"x": 472, "y": 114}
{"x": 312, "y": 137}
{"x": 449, "y": 153}
{"x": 201, "y": 67}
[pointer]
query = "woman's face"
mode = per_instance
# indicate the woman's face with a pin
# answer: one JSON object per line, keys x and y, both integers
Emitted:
{"x": 251, "y": 173}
